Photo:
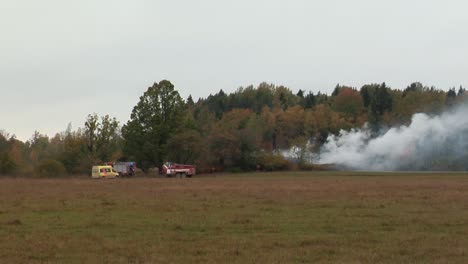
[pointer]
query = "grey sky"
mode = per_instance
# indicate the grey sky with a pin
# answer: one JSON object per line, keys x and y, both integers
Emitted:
{"x": 61, "y": 60}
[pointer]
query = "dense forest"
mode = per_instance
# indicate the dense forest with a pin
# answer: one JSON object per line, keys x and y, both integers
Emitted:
{"x": 242, "y": 131}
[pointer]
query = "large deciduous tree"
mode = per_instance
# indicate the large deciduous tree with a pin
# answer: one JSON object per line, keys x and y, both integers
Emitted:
{"x": 152, "y": 122}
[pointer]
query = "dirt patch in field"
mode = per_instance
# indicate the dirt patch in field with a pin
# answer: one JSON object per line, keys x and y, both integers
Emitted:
{"x": 14, "y": 222}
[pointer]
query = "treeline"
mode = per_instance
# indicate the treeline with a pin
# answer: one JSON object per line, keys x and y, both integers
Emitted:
{"x": 242, "y": 131}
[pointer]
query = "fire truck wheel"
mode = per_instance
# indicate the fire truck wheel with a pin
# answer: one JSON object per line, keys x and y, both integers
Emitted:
{"x": 184, "y": 175}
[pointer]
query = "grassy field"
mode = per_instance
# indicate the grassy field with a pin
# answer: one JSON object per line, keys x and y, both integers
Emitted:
{"x": 322, "y": 217}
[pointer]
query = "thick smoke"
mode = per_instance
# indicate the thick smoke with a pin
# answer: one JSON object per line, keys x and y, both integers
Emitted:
{"x": 428, "y": 143}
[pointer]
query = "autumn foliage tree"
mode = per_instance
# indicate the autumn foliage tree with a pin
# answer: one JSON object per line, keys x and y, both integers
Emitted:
{"x": 348, "y": 102}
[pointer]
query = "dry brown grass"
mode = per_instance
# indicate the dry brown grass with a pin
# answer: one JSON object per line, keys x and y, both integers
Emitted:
{"x": 324, "y": 217}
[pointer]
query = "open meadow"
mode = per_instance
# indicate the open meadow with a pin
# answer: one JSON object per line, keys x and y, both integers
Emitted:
{"x": 301, "y": 217}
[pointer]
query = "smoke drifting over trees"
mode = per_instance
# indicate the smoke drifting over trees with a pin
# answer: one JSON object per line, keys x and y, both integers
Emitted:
{"x": 428, "y": 143}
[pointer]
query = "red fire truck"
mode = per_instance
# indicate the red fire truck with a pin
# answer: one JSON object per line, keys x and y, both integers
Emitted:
{"x": 170, "y": 169}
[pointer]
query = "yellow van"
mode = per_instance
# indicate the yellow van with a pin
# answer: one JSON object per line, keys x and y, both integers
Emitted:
{"x": 103, "y": 172}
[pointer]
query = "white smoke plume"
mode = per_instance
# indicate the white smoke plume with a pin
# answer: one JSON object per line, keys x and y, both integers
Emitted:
{"x": 428, "y": 143}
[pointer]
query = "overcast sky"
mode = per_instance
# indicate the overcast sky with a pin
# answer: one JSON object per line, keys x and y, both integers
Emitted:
{"x": 61, "y": 60}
